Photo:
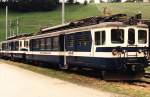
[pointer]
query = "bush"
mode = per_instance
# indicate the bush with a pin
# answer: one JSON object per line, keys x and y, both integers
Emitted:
{"x": 2, "y": 4}
{"x": 32, "y": 5}
{"x": 85, "y": 2}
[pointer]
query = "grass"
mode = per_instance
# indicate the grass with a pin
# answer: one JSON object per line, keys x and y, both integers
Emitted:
{"x": 148, "y": 69}
{"x": 32, "y": 22}
{"x": 116, "y": 87}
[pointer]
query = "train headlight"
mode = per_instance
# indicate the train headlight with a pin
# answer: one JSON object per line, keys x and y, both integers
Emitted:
{"x": 114, "y": 52}
{"x": 139, "y": 51}
{"x": 145, "y": 52}
{"x": 123, "y": 51}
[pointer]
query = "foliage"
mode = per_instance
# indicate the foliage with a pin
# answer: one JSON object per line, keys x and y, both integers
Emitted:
{"x": 2, "y": 4}
{"x": 70, "y": 1}
{"x": 32, "y": 5}
{"x": 85, "y": 2}
{"x": 91, "y": 1}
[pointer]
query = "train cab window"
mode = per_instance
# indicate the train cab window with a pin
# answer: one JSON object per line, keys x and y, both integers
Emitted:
{"x": 100, "y": 38}
{"x": 131, "y": 36}
{"x": 48, "y": 43}
{"x": 117, "y": 36}
{"x": 16, "y": 45}
{"x": 26, "y": 44}
{"x": 20, "y": 43}
{"x": 142, "y": 36}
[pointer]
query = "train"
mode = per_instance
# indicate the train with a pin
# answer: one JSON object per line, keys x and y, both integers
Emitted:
{"x": 108, "y": 44}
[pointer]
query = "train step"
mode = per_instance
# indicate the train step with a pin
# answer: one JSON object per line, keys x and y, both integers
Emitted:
{"x": 133, "y": 63}
{"x": 132, "y": 55}
{"x": 132, "y": 59}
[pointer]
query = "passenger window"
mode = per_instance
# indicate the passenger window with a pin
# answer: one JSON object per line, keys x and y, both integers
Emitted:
{"x": 100, "y": 38}
{"x": 117, "y": 36}
{"x": 83, "y": 38}
{"x": 37, "y": 44}
{"x": 142, "y": 36}
{"x": 48, "y": 44}
{"x": 42, "y": 44}
{"x": 55, "y": 43}
{"x": 70, "y": 40}
{"x": 131, "y": 36}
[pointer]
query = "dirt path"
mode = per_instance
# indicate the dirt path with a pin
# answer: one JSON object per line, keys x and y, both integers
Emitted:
{"x": 17, "y": 82}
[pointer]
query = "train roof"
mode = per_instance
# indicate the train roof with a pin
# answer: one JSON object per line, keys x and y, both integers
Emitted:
{"x": 126, "y": 20}
{"x": 20, "y": 36}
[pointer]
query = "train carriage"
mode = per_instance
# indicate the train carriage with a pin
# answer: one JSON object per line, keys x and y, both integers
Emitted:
{"x": 14, "y": 48}
{"x": 109, "y": 45}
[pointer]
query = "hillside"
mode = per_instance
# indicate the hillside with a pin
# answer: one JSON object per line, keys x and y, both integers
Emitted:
{"x": 31, "y": 22}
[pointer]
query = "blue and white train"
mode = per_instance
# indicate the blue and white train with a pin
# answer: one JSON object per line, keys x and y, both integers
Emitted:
{"x": 106, "y": 46}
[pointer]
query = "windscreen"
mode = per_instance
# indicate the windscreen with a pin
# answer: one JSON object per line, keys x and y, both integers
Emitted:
{"x": 117, "y": 36}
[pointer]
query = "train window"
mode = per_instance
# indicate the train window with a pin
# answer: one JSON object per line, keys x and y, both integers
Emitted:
{"x": 70, "y": 40}
{"x": 12, "y": 46}
{"x": 100, "y": 38}
{"x": 131, "y": 36}
{"x": 117, "y": 36}
{"x": 34, "y": 44}
{"x": 55, "y": 43}
{"x": 16, "y": 45}
{"x": 37, "y": 44}
{"x": 9, "y": 46}
{"x": 20, "y": 43}
{"x": 86, "y": 38}
{"x": 4, "y": 46}
{"x": 42, "y": 44}
{"x": 83, "y": 38}
{"x": 142, "y": 36}
{"x": 26, "y": 44}
{"x": 48, "y": 43}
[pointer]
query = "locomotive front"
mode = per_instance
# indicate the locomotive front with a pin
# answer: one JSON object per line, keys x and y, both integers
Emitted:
{"x": 122, "y": 48}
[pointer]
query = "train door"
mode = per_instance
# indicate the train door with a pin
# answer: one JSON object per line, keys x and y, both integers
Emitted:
{"x": 99, "y": 43}
{"x": 62, "y": 55}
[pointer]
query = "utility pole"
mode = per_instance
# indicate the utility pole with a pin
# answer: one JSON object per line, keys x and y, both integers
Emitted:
{"x": 63, "y": 11}
{"x": 65, "y": 66}
{"x": 6, "y": 19}
{"x": 17, "y": 26}
{"x": 10, "y": 25}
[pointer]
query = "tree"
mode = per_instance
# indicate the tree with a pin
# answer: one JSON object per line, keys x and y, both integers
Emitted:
{"x": 85, "y": 2}
{"x": 2, "y": 4}
{"x": 70, "y": 1}
{"x": 33, "y": 5}
{"x": 91, "y": 1}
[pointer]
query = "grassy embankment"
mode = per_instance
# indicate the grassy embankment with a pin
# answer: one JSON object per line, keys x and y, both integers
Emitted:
{"x": 31, "y": 22}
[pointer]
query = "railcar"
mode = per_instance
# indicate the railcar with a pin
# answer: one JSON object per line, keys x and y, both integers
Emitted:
{"x": 108, "y": 44}
{"x": 15, "y": 48}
